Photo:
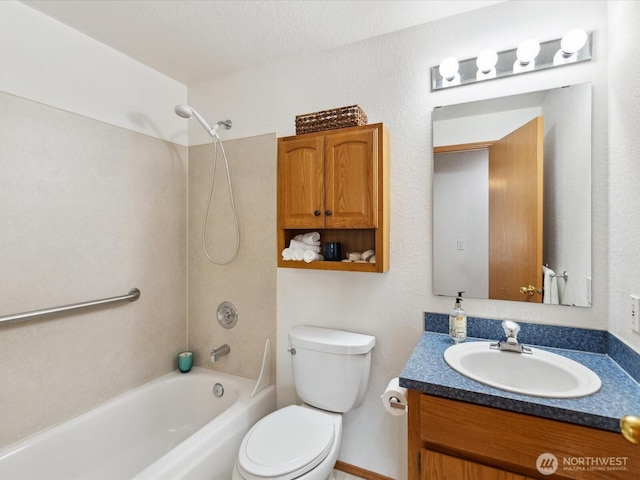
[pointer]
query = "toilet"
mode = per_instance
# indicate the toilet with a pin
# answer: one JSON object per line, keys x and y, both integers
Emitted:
{"x": 330, "y": 375}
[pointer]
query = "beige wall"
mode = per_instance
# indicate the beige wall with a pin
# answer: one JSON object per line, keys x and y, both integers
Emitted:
{"x": 249, "y": 281}
{"x": 87, "y": 211}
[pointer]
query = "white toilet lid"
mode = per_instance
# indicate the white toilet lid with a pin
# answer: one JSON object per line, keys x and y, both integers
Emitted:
{"x": 293, "y": 439}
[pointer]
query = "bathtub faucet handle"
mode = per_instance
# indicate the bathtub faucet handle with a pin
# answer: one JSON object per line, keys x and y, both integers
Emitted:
{"x": 219, "y": 352}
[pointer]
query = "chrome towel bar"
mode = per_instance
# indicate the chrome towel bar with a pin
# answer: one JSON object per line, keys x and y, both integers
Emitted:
{"x": 564, "y": 275}
{"x": 132, "y": 296}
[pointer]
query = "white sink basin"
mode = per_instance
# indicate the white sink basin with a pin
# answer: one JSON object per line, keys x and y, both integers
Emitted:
{"x": 540, "y": 373}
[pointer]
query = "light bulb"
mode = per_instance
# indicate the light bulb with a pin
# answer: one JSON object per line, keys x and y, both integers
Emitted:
{"x": 570, "y": 44}
{"x": 448, "y": 68}
{"x": 487, "y": 60}
{"x": 528, "y": 51}
{"x": 573, "y": 41}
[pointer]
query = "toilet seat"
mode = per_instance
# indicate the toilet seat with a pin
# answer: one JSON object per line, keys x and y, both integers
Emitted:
{"x": 286, "y": 444}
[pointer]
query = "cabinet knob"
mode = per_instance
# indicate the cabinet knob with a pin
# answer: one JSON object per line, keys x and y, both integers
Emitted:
{"x": 316, "y": 213}
{"x": 630, "y": 428}
{"x": 327, "y": 213}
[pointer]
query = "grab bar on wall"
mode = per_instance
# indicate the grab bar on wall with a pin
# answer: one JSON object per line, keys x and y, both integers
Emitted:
{"x": 132, "y": 296}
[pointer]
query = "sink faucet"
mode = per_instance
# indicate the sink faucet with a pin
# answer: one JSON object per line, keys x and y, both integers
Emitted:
{"x": 511, "y": 344}
{"x": 219, "y": 352}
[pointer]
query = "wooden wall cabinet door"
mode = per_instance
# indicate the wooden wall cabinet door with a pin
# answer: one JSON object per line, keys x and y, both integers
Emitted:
{"x": 351, "y": 176}
{"x": 336, "y": 182}
{"x": 301, "y": 183}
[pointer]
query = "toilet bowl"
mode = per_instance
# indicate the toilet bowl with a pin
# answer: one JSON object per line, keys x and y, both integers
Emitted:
{"x": 330, "y": 375}
{"x": 295, "y": 442}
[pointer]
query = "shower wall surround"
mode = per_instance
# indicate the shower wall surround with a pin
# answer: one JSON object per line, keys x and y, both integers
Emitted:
{"x": 249, "y": 281}
{"x": 87, "y": 211}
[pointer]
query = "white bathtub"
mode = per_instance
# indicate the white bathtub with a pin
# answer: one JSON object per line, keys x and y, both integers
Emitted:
{"x": 171, "y": 428}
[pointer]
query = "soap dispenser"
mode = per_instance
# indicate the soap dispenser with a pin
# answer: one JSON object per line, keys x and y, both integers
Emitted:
{"x": 458, "y": 321}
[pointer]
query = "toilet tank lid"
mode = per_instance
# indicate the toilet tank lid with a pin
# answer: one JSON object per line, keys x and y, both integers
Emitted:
{"x": 331, "y": 341}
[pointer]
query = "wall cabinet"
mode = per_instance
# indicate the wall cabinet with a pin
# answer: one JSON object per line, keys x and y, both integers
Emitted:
{"x": 449, "y": 439}
{"x": 336, "y": 182}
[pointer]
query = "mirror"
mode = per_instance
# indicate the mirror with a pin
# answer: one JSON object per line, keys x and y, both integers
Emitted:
{"x": 512, "y": 198}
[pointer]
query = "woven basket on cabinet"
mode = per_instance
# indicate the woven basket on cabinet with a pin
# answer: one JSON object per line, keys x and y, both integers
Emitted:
{"x": 350, "y": 116}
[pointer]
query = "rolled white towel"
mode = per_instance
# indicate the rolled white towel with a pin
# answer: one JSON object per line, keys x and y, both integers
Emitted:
{"x": 287, "y": 254}
{"x": 310, "y": 256}
{"x": 354, "y": 256}
{"x": 298, "y": 254}
{"x": 311, "y": 238}
{"x": 294, "y": 244}
{"x": 372, "y": 259}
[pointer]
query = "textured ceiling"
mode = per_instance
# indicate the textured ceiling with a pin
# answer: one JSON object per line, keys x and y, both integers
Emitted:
{"x": 193, "y": 41}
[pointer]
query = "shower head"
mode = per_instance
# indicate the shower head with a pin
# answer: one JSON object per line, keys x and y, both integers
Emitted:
{"x": 185, "y": 111}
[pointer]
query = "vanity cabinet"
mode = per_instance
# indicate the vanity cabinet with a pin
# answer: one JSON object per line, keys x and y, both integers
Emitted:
{"x": 450, "y": 439}
{"x": 336, "y": 182}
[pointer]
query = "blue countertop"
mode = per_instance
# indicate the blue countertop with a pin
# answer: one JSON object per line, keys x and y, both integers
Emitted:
{"x": 427, "y": 372}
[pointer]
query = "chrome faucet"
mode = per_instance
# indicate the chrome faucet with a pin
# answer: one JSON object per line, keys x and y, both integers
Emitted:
{"x": 219, "y": 352}
{"x": 511, "y": 344}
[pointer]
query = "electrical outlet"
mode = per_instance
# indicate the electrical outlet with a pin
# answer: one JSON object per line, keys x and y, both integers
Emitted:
{"x": 635, "y": 312}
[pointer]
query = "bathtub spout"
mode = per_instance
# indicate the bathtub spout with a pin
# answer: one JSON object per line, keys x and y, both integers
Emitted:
{"x": 218, "y": 353}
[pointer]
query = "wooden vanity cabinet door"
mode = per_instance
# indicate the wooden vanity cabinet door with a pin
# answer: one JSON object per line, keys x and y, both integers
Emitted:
{"x": 437, "y": 466}
{"x": 453, "y": 436}
{"x": 351, "y": 179}
{"x": 301, "y": 182}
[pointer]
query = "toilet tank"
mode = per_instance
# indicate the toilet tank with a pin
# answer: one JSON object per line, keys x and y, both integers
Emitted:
{"x": 330, "y": 367}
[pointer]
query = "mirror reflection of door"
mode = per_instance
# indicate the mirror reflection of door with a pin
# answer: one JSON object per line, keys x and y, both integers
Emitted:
{"x": 515, "y": 214}
{"x": 508, "y": 216}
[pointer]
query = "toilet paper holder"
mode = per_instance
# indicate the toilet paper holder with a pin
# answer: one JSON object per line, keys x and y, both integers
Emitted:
{"x": 395, "y": 402}
{"x": 394, "y": 398}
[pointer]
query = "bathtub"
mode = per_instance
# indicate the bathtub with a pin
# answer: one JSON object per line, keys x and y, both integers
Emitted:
{"x": 170, "y": 428}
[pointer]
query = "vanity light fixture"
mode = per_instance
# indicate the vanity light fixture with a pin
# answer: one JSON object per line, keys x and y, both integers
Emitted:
{"x": 531, "y": 55}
